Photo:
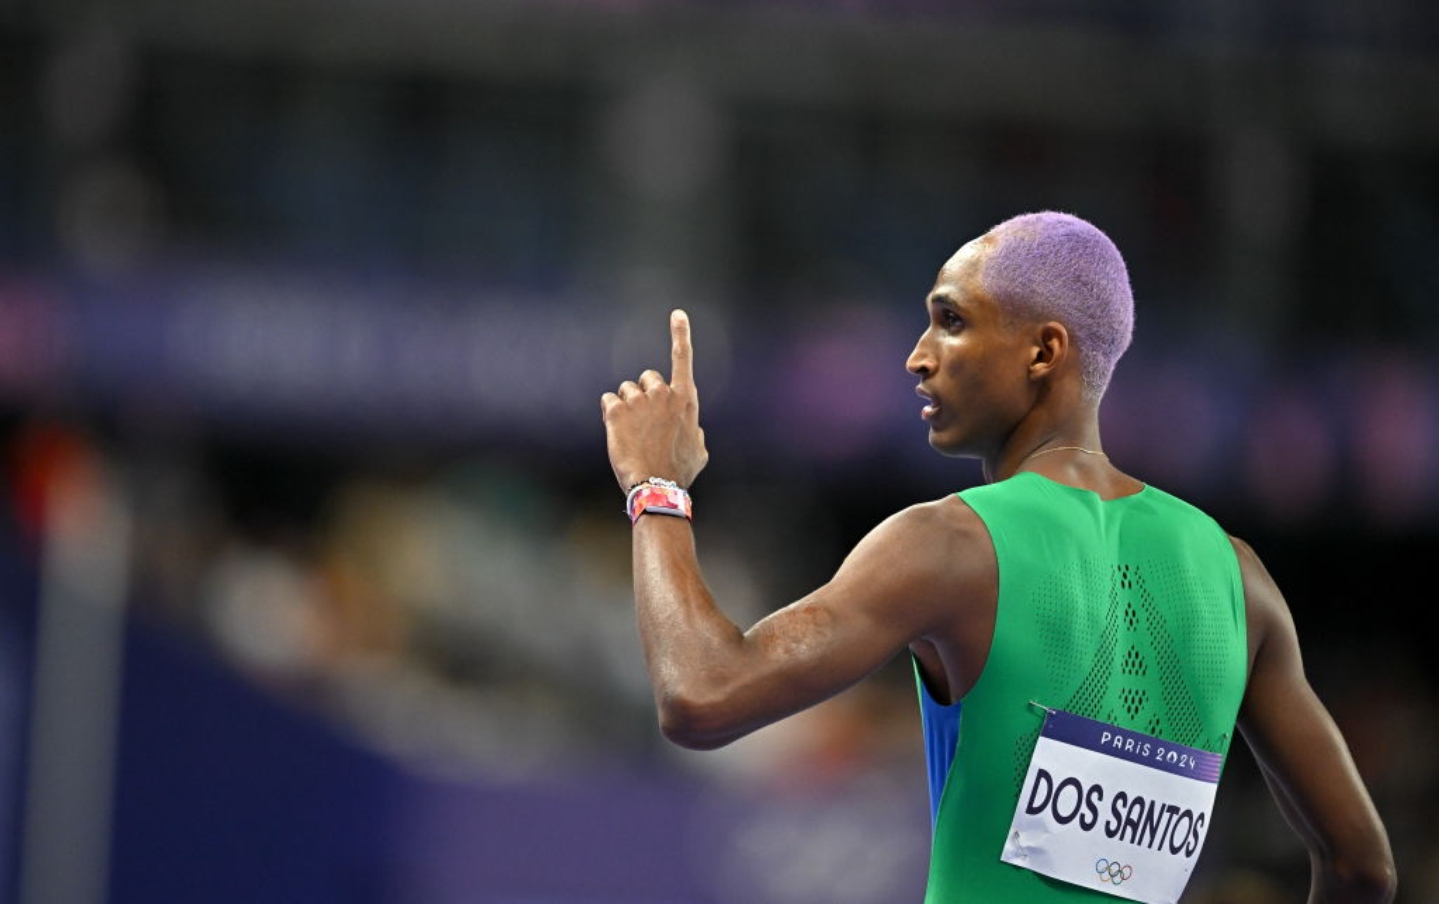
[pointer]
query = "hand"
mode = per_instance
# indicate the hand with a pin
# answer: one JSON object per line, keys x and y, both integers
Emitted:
{"x": 652, "y": 427}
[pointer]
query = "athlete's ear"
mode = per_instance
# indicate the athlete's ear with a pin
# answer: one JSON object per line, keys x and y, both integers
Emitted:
{"x": 1051, "y": 347}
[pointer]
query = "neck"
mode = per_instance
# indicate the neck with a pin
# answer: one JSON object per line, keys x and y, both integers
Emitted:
{"x": 1075, "y": 443}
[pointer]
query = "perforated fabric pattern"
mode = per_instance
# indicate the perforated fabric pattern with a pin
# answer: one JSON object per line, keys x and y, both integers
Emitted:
{"x": 1104, "y": 621}
{"x": 1128, "y": 611}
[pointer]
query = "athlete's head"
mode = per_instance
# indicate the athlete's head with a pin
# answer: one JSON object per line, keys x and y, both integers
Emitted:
{"x": 1056, "y": 266}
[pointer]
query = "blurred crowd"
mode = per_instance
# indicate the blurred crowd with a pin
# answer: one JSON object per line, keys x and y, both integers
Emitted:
{"x": 471, "y": 618}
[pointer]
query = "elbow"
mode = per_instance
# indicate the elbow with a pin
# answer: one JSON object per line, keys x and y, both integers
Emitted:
{"x": 1374, "y": 886}
{"x": 1379, "y": 884}
{"x": 694, "y": 724}
{"x": 1373, "y": 880}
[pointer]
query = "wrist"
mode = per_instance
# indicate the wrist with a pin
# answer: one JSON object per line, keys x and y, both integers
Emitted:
{"x": 657, "y": 495}
{"x": 635, "y": 478}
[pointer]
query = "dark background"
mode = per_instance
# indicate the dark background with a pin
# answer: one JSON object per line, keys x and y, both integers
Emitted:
{"x": 306, "y": 307}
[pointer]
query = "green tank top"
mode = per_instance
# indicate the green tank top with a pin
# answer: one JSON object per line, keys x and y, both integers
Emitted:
{"x": 1129, "y": 611}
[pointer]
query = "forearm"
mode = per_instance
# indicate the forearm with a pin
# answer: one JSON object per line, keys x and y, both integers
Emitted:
{"x": 1350, "y": 860}
{"x": 691, "y": 649}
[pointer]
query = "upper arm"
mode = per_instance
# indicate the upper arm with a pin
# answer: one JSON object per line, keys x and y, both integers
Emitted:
{"x": 1298, "y": 746}
{"x": 903, "y": 580}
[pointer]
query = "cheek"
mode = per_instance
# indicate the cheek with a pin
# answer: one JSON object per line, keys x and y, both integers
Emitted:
{"x": 996, "y": 381}
{"x": 972, "y": 371}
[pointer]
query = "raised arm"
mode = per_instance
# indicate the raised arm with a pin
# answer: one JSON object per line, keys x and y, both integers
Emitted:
{"x": 713, "y": 681}
{"x": 1304, "y": 758}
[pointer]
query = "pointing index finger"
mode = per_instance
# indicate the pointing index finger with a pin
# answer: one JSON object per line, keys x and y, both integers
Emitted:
{"x": 681, "y": 351}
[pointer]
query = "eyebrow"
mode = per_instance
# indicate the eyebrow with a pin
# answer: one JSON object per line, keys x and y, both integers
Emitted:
{"x": 942, "y": 298}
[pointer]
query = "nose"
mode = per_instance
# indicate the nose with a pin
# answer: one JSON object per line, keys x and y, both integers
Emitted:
{"x": 920, "y": 362}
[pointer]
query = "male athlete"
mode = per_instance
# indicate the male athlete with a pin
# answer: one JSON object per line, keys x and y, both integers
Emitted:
{"x": 1085, "y": 644}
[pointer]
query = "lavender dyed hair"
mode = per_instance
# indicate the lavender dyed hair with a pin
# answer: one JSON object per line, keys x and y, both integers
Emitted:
{"x": 1056, "y": 266}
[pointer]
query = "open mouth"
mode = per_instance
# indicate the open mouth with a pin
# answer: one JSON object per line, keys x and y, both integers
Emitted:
{"x": 930, "y": 411}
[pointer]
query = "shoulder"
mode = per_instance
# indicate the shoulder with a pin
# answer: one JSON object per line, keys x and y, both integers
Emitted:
{"x": 942, "y": 543}
{"x": 940, "y": 521}
{"x": 941, "y": 539}
{"x": 1185, "y": 511}
{"x": 1266, "y": 613}
{"x": 1259, "y": 586}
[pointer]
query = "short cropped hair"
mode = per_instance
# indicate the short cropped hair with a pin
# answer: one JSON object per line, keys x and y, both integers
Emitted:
{"x": 1056, "y": 266}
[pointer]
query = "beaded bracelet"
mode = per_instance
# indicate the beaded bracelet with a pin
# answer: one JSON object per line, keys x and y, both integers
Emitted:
{"x": 660, "y": 496}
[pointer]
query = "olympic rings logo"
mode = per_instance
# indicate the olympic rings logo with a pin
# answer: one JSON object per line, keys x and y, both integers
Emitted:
{"x": 1113, "y": 871}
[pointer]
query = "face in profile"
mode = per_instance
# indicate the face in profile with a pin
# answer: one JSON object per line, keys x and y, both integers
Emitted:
{"x": 972, "y": 361}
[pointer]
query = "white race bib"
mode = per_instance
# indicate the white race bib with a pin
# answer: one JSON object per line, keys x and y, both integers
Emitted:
{"x": 1112, "y": 809}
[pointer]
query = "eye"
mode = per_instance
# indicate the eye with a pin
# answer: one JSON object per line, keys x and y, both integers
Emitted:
{"x": 948, "y": 319}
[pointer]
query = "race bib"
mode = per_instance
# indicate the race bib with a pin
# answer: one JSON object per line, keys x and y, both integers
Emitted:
{"x": 1112, "y": 809}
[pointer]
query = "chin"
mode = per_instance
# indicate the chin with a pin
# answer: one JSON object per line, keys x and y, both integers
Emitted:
{"x": 947, "y": 448}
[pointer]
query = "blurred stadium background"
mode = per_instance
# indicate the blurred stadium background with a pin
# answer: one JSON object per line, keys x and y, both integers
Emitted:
{"x": 313, "y": 578}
